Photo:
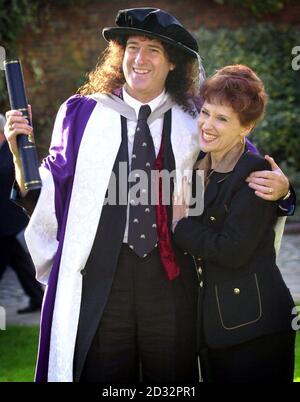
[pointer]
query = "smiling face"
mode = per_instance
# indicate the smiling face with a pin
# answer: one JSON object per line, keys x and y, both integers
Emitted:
{"x": 146, "y": 67}
{"x": 220, "y": 129}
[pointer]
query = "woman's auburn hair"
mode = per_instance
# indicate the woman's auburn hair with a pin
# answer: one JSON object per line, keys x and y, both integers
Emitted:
{"x": 239, "y": 87}
{"x": 182, "y": 83}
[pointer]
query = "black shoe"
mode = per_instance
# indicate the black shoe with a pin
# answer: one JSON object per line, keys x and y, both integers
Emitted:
{"x": 31, "y": 308}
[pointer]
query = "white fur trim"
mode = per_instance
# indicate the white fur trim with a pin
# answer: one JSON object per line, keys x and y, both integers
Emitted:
{"x": 97, "y": 153}
{"x": 185, "y": 145}
{"x": 40, "y": 234}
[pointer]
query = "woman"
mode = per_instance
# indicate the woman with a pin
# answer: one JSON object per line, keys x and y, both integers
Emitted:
{"x": 245, "y": 308}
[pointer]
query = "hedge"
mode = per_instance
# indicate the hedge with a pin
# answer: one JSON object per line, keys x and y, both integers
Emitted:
{"x": 257, "y": 7}
{"x": 267, "y": 49}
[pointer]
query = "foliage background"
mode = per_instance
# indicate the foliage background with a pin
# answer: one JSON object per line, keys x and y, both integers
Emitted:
{"x": 266, "y": 49}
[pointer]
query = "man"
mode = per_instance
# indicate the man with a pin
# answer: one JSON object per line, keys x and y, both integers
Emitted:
{"x": 12, "y": 222}
{"x": 117, "y": 306}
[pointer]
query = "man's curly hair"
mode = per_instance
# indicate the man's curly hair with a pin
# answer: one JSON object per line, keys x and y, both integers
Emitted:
{"x": 182, "y": 83}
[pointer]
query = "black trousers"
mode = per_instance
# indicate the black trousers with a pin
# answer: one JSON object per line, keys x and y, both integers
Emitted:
{"x": 13, "y": 254}
{"x": 268, "y": 359}
{"x": 147, "y": 331}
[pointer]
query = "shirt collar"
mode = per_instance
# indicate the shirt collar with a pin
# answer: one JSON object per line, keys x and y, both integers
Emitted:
{"x": 136, "y": 104}
{"x": 226, "y": 164}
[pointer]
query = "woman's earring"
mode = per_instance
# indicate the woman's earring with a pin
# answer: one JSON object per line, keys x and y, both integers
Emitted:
{"x": 243, "y": 140}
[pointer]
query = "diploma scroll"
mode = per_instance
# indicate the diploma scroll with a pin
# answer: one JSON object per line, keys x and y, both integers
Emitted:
{"x": 26, "y": 145}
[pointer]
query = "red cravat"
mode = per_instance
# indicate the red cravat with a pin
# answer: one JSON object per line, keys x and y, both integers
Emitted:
{"x": 167, "y": 255}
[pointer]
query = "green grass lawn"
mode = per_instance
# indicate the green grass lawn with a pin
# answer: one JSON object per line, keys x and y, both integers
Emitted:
{"x": 18, "y": 347}
{"x": 297, "y": 363}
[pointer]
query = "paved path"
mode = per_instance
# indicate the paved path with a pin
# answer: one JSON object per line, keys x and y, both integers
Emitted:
{"x": 12, "y": 296}
{"x": 289, "y": 263}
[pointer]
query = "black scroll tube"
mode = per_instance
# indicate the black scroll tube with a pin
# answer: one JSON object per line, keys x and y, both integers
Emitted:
{"x": 25, "y": 143}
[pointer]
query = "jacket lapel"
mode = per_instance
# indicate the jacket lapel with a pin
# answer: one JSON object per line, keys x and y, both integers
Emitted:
{"x": 211, "y": 191}
{"x": 214, "y": 186}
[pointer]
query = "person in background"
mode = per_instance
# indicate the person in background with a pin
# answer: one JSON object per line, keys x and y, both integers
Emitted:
{"x": 245, "y": 309}
{"x": 12, "y": 222}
